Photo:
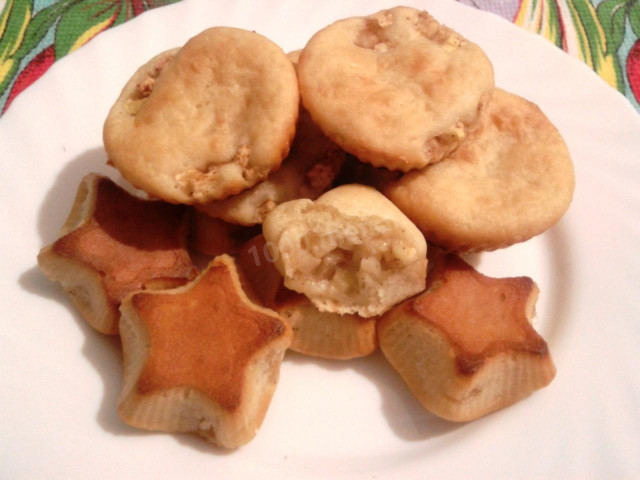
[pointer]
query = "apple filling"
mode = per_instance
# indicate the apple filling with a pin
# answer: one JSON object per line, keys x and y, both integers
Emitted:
{"x": 348, "y": 264}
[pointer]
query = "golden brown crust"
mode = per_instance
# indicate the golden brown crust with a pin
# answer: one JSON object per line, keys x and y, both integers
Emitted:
{"x": 481, "y": 316}
{"x": 206, "y": 337}
{"x": 465, "y": 346}
{"x": 211, "y": 340}
{"x": 116, "y": 243}
{"x": 396, "y": 89}
{"x": 510, "y": 180}
{"x": 217, "y": 119}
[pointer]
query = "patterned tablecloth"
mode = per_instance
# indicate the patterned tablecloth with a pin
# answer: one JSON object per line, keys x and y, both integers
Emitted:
{"x": 602, "y": 33}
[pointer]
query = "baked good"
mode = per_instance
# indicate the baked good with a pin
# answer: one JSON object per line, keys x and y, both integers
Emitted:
{"x": 355, "y": 171}
{"x": 511, "y": 179}
{"x": 207, "y": 121}
{"x": 200, "y": 358}
{"x": 315, "y": 333}
{"x": 212, "y": 236}
{"x": 465, "y": 346}
{"x": 350, "y": 251}
{"x": 113, "y": 243}
{"x": 326, "y": 334}
{"x": 308, "y": 171}
{"x": 396, "y": 89}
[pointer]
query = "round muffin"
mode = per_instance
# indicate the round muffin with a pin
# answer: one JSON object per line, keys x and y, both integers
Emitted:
{"x": 510, "y": 180}
{"x": 396, "y": 88}
{"x": 205, "y": 121}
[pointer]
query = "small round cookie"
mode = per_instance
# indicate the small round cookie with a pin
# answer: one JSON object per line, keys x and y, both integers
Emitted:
{"x": 350, "y": 251}
{"x": 510, "y": 180}
{"x": 206, "y": 121}
{"x": 396, "y": 88}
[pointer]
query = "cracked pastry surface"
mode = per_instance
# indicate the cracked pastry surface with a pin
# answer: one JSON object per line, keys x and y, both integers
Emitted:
{"x": 350, "y": 251}
{"x": 207, "y": 120}
{"x": 200, "y": 358}
{"x": 510, "y": 180}
{"x": 112, "y": 244}
{"x": 465, "y": 346}
{"x": 396, "y": 89}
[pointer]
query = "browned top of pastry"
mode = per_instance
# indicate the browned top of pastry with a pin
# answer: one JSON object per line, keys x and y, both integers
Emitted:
{"x": 480, "y": 316}
{"x": 204, "y": 335}
{"x": 130, "y": 242}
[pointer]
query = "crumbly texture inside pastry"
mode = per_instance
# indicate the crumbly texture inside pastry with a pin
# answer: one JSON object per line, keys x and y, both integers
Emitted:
{"x": 510, "y": 180}
{"x": 315, "y": 333}
{"x": 207, "y": 121}
{"x": 351, "y": 251}
{"x": 397, "y": 89}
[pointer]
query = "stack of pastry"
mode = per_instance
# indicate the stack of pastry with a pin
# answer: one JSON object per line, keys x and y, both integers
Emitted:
{"x": 318, "y": 214}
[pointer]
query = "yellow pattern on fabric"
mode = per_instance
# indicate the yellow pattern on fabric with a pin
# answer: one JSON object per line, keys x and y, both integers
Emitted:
{"x": 89, "y": 34}
{"x": 5, "y": 67}
{"x": 536, "y": 17}
{"x": 23, "y": 28}
{"x": 5, "y": 17}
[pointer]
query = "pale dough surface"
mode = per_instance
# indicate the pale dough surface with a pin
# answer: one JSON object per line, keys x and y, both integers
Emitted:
{"x": 396, "y": 88}
{"x": 209, "y": 121}
{"x": 510, "y": 180}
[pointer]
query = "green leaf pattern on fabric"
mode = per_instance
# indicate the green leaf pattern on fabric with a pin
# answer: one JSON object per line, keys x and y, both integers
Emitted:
{"x": 634, "y": 18}
{"x": 611, "y": 14}
{"x": 605, "y": 34}
{"x": 40, "y": 25}
{"x": 26, "y": 26}
{"x": 17, "y": 17}
{"x": 84, "y": 19}
{"x": 601, "y": 33}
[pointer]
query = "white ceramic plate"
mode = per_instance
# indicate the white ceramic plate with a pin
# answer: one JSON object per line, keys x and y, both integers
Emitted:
{"x": 60, "y": 379}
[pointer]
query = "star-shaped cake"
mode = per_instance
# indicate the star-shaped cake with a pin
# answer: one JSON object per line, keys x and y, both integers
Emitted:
{"x": 200, "y": 358}
{"x": 114, "y": 243}
{"x": 465, "y": 346}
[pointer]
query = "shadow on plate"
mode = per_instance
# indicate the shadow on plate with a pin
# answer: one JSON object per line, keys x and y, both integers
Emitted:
{"x": 104, "y": 353}
{"x": 406, "y": 416}
{"x": 559, "y": 290}
{"x": 58, "y": 200}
